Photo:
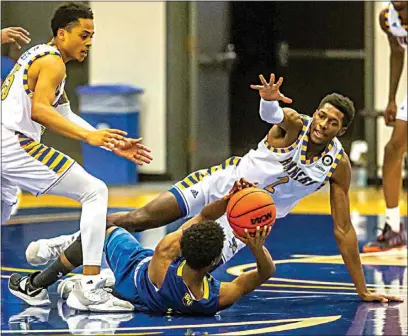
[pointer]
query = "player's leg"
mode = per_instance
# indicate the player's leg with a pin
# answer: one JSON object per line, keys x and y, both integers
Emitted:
{"x": 393, "y": 234}
{"x": 33, "y": 289}
{"x": 186, "y": 198}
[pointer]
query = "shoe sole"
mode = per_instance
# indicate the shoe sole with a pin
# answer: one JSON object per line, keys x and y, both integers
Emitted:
{"x": 377, "y": 249}
{"x": 31, "y": 301}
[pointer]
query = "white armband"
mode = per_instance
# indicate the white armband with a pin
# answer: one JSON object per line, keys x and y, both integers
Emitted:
{"x": 271, "y": 112}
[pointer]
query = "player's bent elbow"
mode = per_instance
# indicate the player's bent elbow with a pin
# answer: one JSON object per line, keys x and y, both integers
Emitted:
{"x": 293, "y": 117}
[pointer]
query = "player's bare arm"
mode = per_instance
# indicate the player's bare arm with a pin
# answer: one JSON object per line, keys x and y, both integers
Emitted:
{"x": 287, "y": 122}
{"x": 169, "y": 247}
{"x": 397, "y": 55}
{"x": 128, "y": 148}
{"x": 345, "y": 234}
{"x": 230, "y": 292}
{"x": 44, "y": 77}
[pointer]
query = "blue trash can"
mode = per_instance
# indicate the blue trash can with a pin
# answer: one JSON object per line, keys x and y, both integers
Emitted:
{"x": 110, "y": 106}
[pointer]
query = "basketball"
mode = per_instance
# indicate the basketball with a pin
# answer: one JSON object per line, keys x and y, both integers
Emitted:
{"x": 249, "y": 208}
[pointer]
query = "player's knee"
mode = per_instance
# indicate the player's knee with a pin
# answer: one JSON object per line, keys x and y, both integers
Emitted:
{"x": 96, "y": 190}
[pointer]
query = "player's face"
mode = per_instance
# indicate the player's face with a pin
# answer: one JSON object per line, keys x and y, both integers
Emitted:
{"x": 399, "y": 5}
{"x": 327, "y": 124}
{"x": 79, "y": 39}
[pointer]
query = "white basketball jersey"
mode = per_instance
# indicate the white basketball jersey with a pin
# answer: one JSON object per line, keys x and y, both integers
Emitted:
{"x": 17, "y": 97}
{"x": 395, "y": 27}
{"x": 286, "y": 173}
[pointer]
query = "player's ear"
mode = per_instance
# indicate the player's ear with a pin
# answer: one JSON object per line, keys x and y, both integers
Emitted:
{"x": 61, "y": 34}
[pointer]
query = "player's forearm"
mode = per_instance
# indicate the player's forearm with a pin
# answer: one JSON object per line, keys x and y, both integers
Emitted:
{"x": 396, "y": 66}
{"x": 214, "y": 210}
{"x": 51, "y": 119}
{"x": 348, "y": 246}
{"x": 264, "y": 263}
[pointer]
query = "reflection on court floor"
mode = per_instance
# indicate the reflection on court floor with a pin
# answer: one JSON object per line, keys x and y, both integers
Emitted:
{"x": 311, "y": 293}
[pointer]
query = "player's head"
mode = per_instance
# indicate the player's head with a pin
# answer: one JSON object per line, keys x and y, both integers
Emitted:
{"x": 201, "y": 245}
{"x": 331, "y": 119}
{"x": 73, "y": 28}
{"x": 399, "y": 5}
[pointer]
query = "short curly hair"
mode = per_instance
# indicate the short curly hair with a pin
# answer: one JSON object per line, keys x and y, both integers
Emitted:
{"x": 67, "y": 15}
{"x": 201, "y": 244}
{"x": 344, "y": 104}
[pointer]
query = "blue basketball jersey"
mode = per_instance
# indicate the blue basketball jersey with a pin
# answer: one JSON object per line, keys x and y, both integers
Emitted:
{"x": 174, "y": 295}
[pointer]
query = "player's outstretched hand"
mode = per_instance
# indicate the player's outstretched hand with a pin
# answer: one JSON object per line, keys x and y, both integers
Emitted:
{"x": 134, "y": 151}
{"x": 15, "y": 35}
{"x": 105, "y": 137}
{"x": 270, "y": 91}
{"x": 239, "y": 185}
{"x": 380, "y": 297}
{"x": 257, "y": 240}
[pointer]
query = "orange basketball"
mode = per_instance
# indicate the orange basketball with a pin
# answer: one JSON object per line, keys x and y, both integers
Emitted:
{"x": 249, "y": 208}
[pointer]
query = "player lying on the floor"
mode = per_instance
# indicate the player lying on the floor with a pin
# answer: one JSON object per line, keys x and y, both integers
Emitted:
{"x": 173, "y": 277}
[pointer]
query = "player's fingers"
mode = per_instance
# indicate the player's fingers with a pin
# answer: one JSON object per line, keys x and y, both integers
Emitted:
{"x": 114, "y": 135}
{"x": 117, "y": 131}
{"x": 23, "y": 38}
{"x": 113, "y": 141}
{"x": 145, "y": 155}
{"x": 21, "y": 30}
{"x": 256, "y": 87}
{"x": 109, "y": 145}
{"x": 263, "y": 81}
{"x": 394, "y": 298}
{"x": 271, "y": 79}
{"x": 286, "y": 100}
{"x": 279, "y": 82}
{"x": 141, "y": 158}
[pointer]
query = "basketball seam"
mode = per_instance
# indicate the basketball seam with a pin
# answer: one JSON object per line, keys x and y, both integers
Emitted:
{"x": 255, "y": 191}
{"x": 251, "y": 210}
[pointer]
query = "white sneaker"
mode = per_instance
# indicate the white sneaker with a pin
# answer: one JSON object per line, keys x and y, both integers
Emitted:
{"x": 42, "y": 251}
{"x": 89, "y": 294}
{"x": 67, "y": 285}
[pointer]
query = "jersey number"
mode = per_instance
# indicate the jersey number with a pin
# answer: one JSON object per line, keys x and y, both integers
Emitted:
{"x": 281, "y": 180}
{"x": 5, "y": 87}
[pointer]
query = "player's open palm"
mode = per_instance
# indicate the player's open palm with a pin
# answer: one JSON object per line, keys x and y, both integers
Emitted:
{"x": 134, "y": 151}
{"x": 105, "y": 137}
{"x": 271, "y": 91}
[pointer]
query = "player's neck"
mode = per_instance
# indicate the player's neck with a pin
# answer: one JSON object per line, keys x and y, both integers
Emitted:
{"x": 193, "y": 278}
{"x": 314, "y": 149}
{"x": 64, "y": 56}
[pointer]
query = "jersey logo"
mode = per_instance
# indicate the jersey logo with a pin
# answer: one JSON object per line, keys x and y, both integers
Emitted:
{"x": 233, "y": 245}
{"x": 194, "y": 192}
{"x": 327, "y": 160}
{"x": 187, "y": 300}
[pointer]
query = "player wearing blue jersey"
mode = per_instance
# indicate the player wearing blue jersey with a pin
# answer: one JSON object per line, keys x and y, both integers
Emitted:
{"x": 172, "y": 278}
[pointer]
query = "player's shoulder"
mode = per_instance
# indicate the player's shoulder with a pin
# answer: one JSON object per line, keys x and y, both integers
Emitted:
{"x": 382, "y": 17}
{"x": 342, "y": 173}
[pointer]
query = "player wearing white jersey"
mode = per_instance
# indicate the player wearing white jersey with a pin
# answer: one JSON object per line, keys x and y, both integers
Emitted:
{"x": 394, "y": 22}
{"x": 297, "y": 157}
{"x": 33, "y": 98}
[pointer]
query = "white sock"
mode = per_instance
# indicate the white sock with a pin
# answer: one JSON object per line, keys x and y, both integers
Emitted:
{"x": 393, "y": 218}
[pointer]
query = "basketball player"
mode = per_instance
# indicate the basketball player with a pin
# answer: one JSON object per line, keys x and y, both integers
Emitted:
{"x": 299, "y": 155}
{"x": 172, "y": 278}
{"x": 394, "y": 22}
{"x": 33, "y": 98}
{"x": 15, "y": 35}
